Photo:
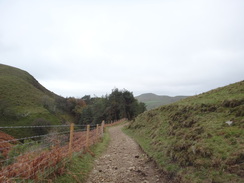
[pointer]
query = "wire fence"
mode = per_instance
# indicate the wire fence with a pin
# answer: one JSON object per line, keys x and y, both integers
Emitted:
{"x": 35, "y": 158}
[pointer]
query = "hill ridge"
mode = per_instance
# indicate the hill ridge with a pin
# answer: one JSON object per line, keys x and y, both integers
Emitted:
{"x": 24, "y": 75}
{"x": 198, "y": 139}
{"x": 24, "y": 101}
{"x": 153, "y": 100}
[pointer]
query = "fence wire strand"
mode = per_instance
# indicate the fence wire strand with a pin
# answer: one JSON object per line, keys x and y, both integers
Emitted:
{"x": 44, "y": 154}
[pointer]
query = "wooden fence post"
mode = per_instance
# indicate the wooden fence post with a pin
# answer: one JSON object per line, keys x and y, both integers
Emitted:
{"x": 97, "y": 135}
{"x": 71, "y": 133}
{"x": 102, "y": 128}
{"x": 87, "y": 136}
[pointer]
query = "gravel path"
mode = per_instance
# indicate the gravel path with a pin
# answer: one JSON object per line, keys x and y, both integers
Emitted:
{"x": 123, "y": 162}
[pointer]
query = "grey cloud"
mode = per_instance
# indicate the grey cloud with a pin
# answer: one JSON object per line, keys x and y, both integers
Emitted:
{"x": 166, "y": 47}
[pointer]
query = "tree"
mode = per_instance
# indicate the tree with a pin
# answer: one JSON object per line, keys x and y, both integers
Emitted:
{"x": 119, "y": 104}
{"x": 86, "y": 116}
{"x": 98, "y": 109}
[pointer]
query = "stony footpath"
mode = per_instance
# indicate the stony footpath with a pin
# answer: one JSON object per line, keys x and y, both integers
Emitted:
{"x": 124, "y": 162}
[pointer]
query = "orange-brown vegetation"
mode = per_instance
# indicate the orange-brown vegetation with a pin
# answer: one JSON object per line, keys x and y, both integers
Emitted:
{"x": 6, "y": 142}
{"x": 39, "y": 164}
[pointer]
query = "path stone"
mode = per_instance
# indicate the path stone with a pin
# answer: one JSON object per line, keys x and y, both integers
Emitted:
{"x": 124, "y": 162}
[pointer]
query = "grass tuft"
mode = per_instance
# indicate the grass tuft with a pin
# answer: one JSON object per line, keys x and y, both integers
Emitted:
{"x": 191, "y": 140}
{"x": 79, "y": 167}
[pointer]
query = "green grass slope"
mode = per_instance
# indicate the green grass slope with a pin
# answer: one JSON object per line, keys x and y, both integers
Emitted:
{"x": 23, "y": 100}
{"x": 152, "y": 100}
{"x": 190, "y": 139}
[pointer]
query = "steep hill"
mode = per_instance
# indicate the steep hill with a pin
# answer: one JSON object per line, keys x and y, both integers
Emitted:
{"x": 198, "y": 139}
{"x": 24, "y": 101}
{"x": 152, "y": 100}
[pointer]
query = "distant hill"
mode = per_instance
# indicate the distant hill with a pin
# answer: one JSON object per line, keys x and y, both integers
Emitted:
{"x": 198, "y": 139}
{"x": 152, "y": 100}
{"x": 24, "y": 101}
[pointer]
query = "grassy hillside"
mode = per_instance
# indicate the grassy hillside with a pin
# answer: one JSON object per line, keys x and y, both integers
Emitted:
{"x": 23, "y": 100}
{"x": 192, "y": 141}
{"x": 152, "y": 101}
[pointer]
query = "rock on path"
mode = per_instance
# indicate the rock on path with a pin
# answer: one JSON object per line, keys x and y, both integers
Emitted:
{"x": 123, "y": 162}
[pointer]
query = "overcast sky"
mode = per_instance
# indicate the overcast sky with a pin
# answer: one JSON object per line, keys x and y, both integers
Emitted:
{"x": 166, "y": 47}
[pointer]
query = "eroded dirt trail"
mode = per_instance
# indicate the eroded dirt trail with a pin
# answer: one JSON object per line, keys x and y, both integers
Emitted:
{"x": 124, "y": 162}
